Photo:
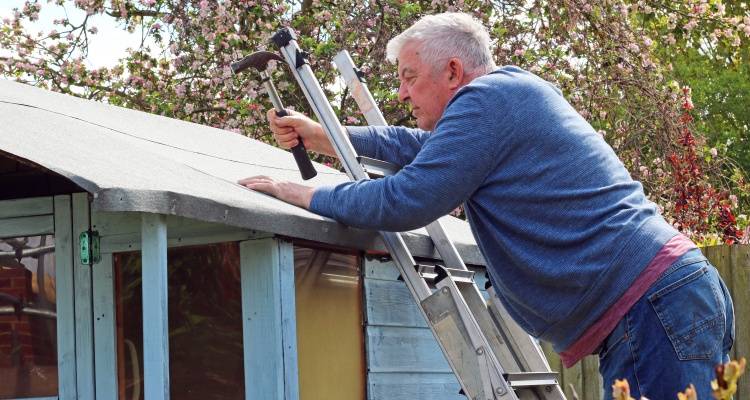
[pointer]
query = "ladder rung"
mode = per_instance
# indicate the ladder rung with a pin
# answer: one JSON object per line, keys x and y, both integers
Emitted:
{"x": 377, "y": 168}
{"x": 528, "y": 379}
{"x": 428, "y": 272}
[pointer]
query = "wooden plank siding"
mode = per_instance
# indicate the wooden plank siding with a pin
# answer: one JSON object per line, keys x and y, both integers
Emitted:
{"x": 403, "y": 359}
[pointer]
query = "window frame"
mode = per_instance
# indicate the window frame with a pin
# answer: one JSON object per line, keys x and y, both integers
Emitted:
{"x": 51, "y": 215}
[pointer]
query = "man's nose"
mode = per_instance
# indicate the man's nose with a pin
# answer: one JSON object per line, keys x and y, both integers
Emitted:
{"x": 403, "y": 93}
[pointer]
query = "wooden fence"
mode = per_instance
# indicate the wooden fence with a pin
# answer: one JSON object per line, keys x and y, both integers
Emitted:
{"x": 733, "y": 263}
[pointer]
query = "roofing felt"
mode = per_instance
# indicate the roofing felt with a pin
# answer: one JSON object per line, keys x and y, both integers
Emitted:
{"x": 135, "y": 161}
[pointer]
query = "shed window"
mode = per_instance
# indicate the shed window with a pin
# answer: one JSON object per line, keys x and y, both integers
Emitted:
{"x": 205, "y": 323}
{"x": 28, "y": 321}
{"x": 330, "y": 340}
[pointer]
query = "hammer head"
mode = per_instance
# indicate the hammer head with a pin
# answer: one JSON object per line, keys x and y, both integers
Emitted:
{"x": 258, "y": 60}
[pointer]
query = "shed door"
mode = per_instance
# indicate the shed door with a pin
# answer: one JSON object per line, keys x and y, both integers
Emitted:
{"x": 37, "y": 342}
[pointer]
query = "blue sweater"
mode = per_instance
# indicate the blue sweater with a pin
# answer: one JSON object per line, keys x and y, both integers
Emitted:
{"x": 563, "y": 227}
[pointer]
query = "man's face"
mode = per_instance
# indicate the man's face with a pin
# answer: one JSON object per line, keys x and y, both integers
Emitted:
{"x": 426, "y": 87}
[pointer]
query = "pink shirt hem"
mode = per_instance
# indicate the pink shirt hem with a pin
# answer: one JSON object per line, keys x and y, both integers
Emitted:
{"x": 596, "y": 333}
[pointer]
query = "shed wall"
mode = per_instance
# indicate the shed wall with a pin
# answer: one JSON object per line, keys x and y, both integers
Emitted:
{"x": 404, "y": 361}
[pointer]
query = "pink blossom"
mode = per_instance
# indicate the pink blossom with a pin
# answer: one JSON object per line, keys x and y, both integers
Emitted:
{"x": 519, "y": 52}
{"x": 714, "y": 152}
{"x": 690, "y": 25}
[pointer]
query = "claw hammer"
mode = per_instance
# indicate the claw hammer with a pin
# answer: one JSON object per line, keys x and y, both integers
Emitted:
{"x": 259, "y": 61}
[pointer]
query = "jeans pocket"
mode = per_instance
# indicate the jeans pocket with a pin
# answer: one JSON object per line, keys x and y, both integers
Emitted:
{"x": 692, "y": 314}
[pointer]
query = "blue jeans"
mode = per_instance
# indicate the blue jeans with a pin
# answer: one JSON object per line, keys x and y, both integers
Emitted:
{"x": 674, "y": 335}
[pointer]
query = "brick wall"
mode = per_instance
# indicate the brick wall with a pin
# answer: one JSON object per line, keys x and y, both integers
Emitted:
{"x": 15, "y": 331}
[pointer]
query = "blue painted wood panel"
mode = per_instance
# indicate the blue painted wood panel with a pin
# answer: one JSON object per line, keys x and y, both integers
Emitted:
{"x": 155, "y": 307}
{"x": 84, "y": 326}
{"x": 404, "y": 359}
{"x": 389, "y": 303}
{"x": 27, "y": 226}
{"x": 105, "y": 345}
{"x": 403, "y": 386}
{"x": 65, "y": 300}
{"x": 404, "y": 349}
{"x": 26, "y": 207}
{"x": 268, "y": 319}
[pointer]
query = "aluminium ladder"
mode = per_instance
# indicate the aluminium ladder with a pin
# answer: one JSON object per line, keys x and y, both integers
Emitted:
{"x": 477, "y": 339}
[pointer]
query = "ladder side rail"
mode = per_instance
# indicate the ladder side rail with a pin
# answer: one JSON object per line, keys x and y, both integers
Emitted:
{"x": 520, "y": 338}
{"x": 358, "y": 90}
{"x": 373, "y": 116}
{"x": 324, "y": 112}
{"x": 480, "y": 344}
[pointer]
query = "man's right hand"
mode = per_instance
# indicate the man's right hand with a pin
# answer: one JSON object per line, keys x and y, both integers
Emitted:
{"x": 288, "y": 130}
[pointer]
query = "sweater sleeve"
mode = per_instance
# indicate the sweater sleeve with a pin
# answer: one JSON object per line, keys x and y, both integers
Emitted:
{"x": 451, "y": 164}
{"x": 394, "y": 144}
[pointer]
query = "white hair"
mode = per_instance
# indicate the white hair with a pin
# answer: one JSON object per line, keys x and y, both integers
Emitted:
{"x": 447, "y": 35}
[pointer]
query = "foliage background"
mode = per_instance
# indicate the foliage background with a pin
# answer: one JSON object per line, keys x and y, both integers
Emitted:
{"x": 665, "y": 82}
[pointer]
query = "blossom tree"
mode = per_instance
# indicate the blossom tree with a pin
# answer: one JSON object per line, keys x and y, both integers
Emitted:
{"x": 611, "y": 59}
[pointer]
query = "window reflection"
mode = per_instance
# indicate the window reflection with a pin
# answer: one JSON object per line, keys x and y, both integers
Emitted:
{"x": 205, "y": 323}
{"x": 28, "y": 325}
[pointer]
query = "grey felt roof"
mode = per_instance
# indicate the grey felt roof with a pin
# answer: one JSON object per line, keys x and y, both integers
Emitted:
{"x": 135, "y": 161}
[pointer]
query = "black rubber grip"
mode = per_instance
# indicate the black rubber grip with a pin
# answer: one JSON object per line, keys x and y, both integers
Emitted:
{"x": 241, "y": 65}
{"x": 306, "y": 169}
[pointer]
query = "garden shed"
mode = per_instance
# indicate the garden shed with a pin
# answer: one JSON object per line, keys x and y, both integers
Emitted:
{"x": 133, "y": 266}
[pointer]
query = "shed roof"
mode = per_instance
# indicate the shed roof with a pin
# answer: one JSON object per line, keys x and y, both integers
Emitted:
{"x": 135, "y": 161}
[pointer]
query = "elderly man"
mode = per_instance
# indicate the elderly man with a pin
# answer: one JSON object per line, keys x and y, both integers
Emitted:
{"x": 577, "y": 253}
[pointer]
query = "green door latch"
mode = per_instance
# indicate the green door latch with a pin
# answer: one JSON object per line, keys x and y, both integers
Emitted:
{"x": 90, "y": 249}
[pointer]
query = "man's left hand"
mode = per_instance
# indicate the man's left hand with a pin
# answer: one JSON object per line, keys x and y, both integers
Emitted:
{"x": 293, "y": 193}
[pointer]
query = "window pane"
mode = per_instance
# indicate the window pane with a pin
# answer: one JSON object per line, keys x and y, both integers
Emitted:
{"x": 205, "y": 323}
{"x": 330, "y": 337}
{"x": 28, "y": 323}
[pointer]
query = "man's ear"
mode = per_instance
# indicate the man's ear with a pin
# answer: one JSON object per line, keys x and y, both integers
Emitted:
{"x": 456, "y": 73}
